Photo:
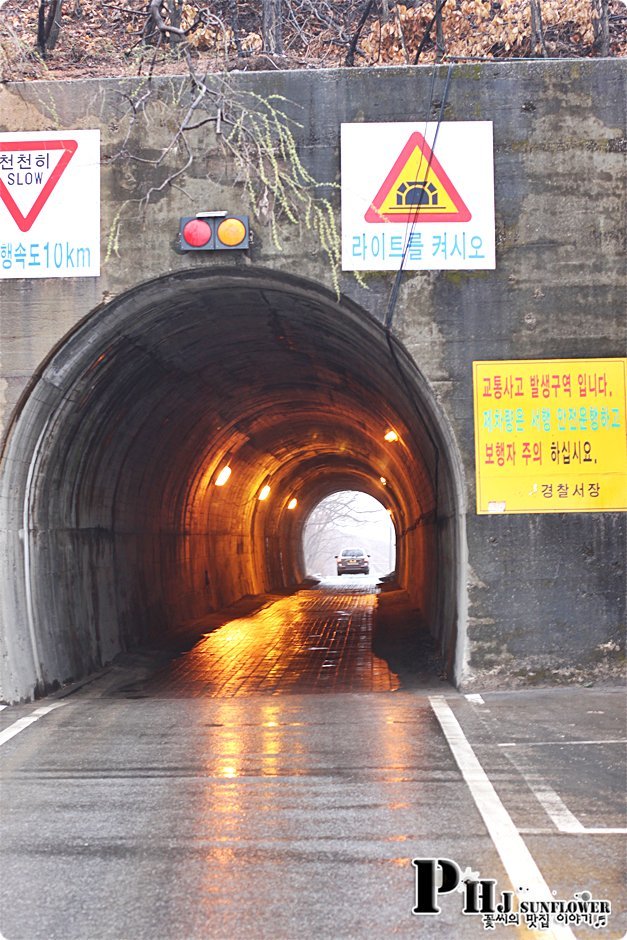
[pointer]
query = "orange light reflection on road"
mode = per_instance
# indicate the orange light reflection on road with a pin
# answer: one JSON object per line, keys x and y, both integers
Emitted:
{"x": 281, "y": 648}
{"x": 228, "y": 770}
{"x": 303, "y": 643}
{"x": 271, "y": 736}
{"x": 398, "y": 753}
{"x": 220, "y": 826}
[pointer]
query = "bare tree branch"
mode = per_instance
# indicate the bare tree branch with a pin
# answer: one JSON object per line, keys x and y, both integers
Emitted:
{"x": 537, "y": 33}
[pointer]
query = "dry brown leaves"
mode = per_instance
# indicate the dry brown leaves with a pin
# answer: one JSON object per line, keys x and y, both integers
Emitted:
{"x": 483, "y": 29}
{"x": 109, "y": 39}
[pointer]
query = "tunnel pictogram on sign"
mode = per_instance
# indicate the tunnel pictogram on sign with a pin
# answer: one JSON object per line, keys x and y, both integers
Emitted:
{"x": 417, "y": 189}
{"x": 29, "y": 172}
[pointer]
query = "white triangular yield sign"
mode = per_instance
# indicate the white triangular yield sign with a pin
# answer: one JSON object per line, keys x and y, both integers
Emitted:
{"x": 29, "y": 172}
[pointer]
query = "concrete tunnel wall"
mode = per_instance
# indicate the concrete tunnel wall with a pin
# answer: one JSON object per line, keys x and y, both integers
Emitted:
{"x": 116, "y": 452}
{"x": 535, "y": 597}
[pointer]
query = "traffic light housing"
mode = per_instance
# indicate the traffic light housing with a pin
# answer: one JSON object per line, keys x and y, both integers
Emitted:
{"x": 214, "y": 231}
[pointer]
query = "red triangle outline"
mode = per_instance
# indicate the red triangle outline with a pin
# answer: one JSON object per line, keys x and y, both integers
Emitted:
{"x": 25, "y": 222}
{"x": 416, "y": 139}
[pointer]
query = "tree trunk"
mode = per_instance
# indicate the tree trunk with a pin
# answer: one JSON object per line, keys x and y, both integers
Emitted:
{"x": 49, "y": 25}
{"x": 601, "y": 26}
{"x": 439, "y": 36}
{"x": 175, "y": 9}
{"x": 272, "y": 26}
{"x": 234, "y": 20}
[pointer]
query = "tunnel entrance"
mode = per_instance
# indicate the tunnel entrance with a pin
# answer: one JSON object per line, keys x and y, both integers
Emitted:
{"x": 167, "y": 455}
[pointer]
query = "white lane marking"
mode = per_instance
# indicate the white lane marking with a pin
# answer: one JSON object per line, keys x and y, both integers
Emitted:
{"x": 553, "y": 743}
{"x": 528, "y": 831}
{"x": 22, "y": 723}
{"x": 554, "y": 806}
{"x": 516, "y": 857}
{"x": 558, "y": 812}
{"x": 475, "y": 698}
{"x": 1, "y": 707}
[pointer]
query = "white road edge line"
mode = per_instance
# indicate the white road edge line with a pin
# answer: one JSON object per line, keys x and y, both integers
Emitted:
{"x": 1, "y": 707}
{"x": 22, "y": 723}
{"x": 475, "y": 698}
{"x": 517, "y": 860}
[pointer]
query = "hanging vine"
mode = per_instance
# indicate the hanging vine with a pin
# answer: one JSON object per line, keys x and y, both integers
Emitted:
{"x": 257, "y": 136}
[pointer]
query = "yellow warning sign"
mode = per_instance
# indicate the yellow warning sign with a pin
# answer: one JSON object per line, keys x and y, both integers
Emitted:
{"x": 550, "y": 435}
{"x": 417, "y": 189}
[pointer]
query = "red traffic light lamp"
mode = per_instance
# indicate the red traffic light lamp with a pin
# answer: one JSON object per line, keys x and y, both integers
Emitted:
{"x": 214, "y": 231}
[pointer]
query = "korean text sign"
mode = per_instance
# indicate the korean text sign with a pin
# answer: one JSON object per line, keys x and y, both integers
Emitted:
{"x": 550, "y": 435}
{"x": 417, "y": 195}
{"x": 50, "y": 204}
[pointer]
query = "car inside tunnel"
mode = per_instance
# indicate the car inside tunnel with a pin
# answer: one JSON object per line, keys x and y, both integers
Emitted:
{"x": 166, "y": 457}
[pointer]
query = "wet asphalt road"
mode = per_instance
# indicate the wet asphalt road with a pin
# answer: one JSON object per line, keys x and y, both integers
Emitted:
{"x": 224, "y": 798}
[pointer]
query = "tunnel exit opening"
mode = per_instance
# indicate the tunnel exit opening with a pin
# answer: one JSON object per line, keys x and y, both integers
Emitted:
{"x": 167, "y": 456}
{"x": 355, "y": 525}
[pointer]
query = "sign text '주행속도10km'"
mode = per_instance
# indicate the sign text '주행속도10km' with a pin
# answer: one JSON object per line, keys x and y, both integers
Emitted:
{"x": 50, "y": 204}
{"x": 418, "y": 196}
{"x": 550, "y": 435}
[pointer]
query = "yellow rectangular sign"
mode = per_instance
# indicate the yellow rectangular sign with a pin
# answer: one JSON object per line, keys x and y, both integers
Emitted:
{"x": 550, "y": 435}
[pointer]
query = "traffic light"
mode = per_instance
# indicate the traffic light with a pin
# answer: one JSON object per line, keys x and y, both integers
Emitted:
{"x": 214, "y": 231}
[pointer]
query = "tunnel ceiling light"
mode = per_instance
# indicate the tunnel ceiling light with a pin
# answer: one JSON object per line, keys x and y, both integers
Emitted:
{"x": 264, "y": 492}
{"x": 390, "y": 436}
{"x": 223, "y": 476}
{"x": 293, "y": 503}
{"x": 384, "y": 482}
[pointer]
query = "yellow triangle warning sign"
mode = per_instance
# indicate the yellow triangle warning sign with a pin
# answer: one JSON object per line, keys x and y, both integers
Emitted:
{"x": 417, "y": 189}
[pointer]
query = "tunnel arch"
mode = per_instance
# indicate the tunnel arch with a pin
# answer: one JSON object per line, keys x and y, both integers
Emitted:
{"x": 115, "y": 530}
